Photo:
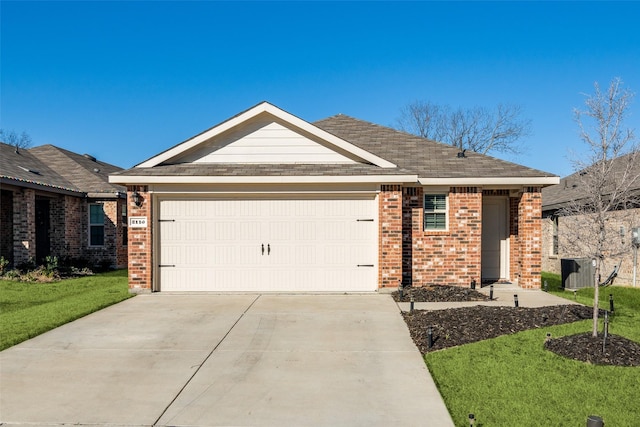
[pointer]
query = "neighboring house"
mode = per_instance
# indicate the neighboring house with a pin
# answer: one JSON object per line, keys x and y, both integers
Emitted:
{"x": 266, "y": 201}
{"x": 556, "y": 226}
{"x": 55, "y": 202}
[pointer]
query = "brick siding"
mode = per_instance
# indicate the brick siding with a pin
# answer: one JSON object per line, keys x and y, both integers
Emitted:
{"x": 140, "y": 266}
{"x": 390, "y": 236}
{"x": 454, "y": 256}
{"x": 530, "y": 237}
{"x": 450, "y": 256}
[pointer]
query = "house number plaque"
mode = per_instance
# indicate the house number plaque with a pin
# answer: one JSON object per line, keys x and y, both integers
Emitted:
{"x": 138, "y": 221}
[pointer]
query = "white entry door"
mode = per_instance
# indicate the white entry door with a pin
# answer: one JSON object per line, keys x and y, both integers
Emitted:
{"x": 262, "y": 245}
{"x": 495, "y": 241}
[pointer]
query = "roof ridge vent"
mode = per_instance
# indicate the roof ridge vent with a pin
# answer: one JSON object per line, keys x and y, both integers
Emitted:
{"x": 29, "y": 170}
{"x": 90, "y": 157}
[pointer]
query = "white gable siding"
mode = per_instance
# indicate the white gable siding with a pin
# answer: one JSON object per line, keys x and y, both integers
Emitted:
{"x": 273, "y": 143}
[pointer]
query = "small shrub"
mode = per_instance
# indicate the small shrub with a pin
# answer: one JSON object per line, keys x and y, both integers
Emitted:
{"x": 50, "y": 266}
{"x": 4, "y": 264}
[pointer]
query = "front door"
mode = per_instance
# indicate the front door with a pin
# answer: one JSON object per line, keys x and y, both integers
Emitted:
{"x": 43, "y": 226}
{"x": 495, "y": 242}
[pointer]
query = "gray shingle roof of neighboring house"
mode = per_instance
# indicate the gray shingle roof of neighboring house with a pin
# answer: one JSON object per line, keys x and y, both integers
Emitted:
{"x": 571, "y": 188}
{"x": 412, "y": 155}
{"x": 58, "y": 170}
{"x": 427, "y": 158}
{"x": 88, "y": 174}
{"x": 22, "y": 168}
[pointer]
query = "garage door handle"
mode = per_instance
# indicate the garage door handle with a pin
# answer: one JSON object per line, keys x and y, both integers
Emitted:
{"x": 268, "y": 249}
{"x": 365, "y": 265}
{"x": 166, "y": 265}
{"x": 364, "y": 220}
{"x": 263, "y": 249}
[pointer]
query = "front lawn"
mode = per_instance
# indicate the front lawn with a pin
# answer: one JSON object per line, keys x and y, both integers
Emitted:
{"x": 29, "y": 309}
{"x": 512, "y": 380}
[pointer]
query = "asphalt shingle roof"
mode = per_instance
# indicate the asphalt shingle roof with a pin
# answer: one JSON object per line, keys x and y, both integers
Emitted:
{"x": 412, "y": 155}
{"x": 427, "y": 158}
{"x": 85, "y": 173}
{"x": 56, "y": 168}
{"x": 21, "y": 166}
{"x": 571, "y": 189}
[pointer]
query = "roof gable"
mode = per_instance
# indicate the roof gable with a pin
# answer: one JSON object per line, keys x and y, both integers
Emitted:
{"x": 265, "y": 134}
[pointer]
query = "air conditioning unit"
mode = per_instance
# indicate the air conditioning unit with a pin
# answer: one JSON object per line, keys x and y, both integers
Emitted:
{"x": 577, "y": 273}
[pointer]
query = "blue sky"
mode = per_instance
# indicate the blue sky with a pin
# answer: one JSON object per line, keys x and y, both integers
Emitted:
{"x": 124, "y": 81}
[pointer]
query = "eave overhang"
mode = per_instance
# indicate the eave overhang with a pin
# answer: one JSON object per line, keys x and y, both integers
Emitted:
{"x": 142, "y": 180}
{"x": 509, "y": 181}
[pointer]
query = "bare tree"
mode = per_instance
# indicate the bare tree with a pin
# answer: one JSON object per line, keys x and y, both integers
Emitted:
{"x": 18, "y": 140}
{"x": 476, "y": 129}
{"x": 607, "y": 179}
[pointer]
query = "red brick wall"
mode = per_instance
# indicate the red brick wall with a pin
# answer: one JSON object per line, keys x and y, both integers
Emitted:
{"x": 390, "y": 236}
{"x": 530, "y": 237}
{"x": 419, "y": 257}
{"x": 140, "y": 266}
{"x": 443, "y": 257}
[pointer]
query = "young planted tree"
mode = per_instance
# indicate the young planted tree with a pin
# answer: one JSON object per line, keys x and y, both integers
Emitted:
{"x": 606, "y": 181}
{"x": 476, "y": 129}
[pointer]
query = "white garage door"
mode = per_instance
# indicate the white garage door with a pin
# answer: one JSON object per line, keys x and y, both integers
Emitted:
{"x": 262, "y": 245}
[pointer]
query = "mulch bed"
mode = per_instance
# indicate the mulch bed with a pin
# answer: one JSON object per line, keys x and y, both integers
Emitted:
{"x": 457, "y": 326}
{"x": 618, "y": 350}
{"x": 439, "y": 293}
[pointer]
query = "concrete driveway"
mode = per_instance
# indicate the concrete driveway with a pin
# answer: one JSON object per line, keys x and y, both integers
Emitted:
{"x": 212, "y": 360}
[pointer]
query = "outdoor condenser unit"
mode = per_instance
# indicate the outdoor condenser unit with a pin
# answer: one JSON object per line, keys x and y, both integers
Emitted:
{"x": 577, "y": 273}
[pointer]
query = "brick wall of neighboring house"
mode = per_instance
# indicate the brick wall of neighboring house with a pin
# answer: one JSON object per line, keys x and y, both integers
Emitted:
{"x": 6, "y": 225}
{"x": 74, "y": 227}
{"x": 140, "y": 261}
{"x": 530, "y": 237}
{"x": 122, "y": 233}
{"x": 24, "y": 229}
{"x": 443, "y": 257}
{"x": 104, "y": 256}
{"x": 390, "y": 236}
{"x": 550, "y": 260}
{"x": 621, "y": 253}
{"x": 57, "y": 220}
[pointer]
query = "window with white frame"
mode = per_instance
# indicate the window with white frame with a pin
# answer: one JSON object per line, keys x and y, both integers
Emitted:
{"x": 96, "y": 224}
{"x": 435, "y": 211}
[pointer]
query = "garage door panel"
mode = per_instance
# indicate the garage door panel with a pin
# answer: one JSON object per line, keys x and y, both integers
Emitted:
{"x": 315, "y": 245}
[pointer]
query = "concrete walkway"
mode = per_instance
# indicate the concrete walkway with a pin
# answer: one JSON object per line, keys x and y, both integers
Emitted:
{"x": 267, "y": 360}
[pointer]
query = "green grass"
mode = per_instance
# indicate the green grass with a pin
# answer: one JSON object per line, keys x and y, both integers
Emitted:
{"x": 512, "y": 380}
{"x": 29, "y": 309}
